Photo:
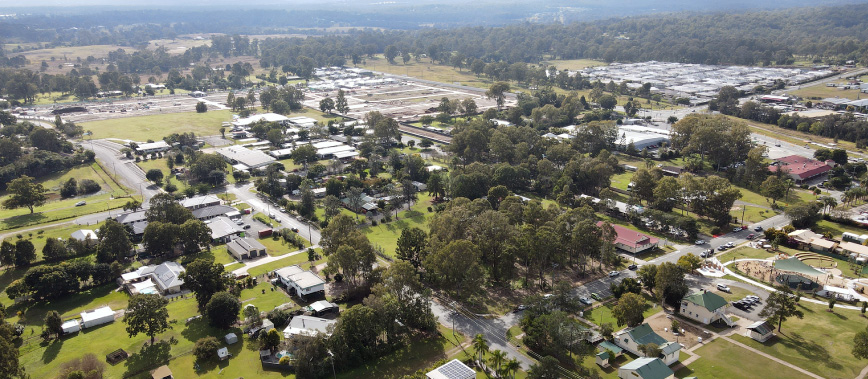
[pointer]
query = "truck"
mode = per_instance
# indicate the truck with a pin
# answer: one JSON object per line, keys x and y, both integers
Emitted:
{"x": 265, "y": 233}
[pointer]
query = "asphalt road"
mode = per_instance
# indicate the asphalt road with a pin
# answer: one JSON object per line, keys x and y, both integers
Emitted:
{"x": 125, "y": 170}
{"x": 260, "y": 204}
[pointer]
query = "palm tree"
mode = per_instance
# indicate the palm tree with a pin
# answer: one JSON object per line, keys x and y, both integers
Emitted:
{"x": 828, "y": 202}
{"x": 497, "y": 358}
{"x": 511, "y": 367}
{"x": 480, "y": 346}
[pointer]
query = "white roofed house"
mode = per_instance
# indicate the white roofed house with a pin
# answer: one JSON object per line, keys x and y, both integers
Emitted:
{"x": 241, "y": 155}
{"x": 152, "y": 147}
{"x": 85, "y": 235}
{"x": 163, "y": 278}
{"x": 301, "y": 282}
{"x": 223, "y": 229}
{"x": 197, "y": 202}
{"x": 308, "y": 326}
{"x": 99, "y": 316}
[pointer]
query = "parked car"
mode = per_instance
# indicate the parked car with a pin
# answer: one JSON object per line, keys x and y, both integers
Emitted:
{"x": 723, "y": 287}
{"x": 736, "y": 229}
{"x": 751, "y": 236}
{"x": 519, "y": 308}
{"x": 246, "y": 227}
{"x": 758, "y": 228}
{"x": 633, "y": 267}
{"x": 614, "y": 274}
{"x": 596, "y": 296}
{"x": 700, "y": 242}
{"x": 272, "y": 215}
{"x": 80, "y": 203}
{"x": 730, "y": 244}
{"x": 239, "y": 222}
{"x": 585, "y": 300}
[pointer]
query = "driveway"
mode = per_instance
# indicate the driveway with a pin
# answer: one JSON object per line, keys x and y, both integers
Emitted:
{"x": 262, "y": 205}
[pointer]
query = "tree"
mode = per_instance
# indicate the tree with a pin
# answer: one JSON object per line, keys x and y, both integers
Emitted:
{"x": 413, "y": 246}
{"x": 780, "y": 306}
{"x": 69, "y": 189}
{"x": 327, "y": 105}
{"x": 53, "y": 324}
{"x": 498, "y": 91}
{"x": 201, "y": 107}
{"x": 222, "y": 310}
{"x": 480, "y": 346}
{"x": 132, "y": 205}
{"x": 332, "y": 206}
{"x": 54, "y": 249}
{"x": 204, "y": 279}
{"x": 390, "y": 52}
{"x": 773, "y": 187}
{"x": 608, "y": 102}
{"x": 303, "y": 155}
{"x": 271, "y": 340}
{"x": 147, "y": 313}
{"x": 648, "y": 274}
{"x": 650, "y": 350}
{"x": 23, "y": 192}
{"x": 455, "y": 268}
{"x": 7, "y": 253}
{"x": 497, "y": 358}
{"x": 547, "y": 368}
{"x": 689, "y": 262}
{"x": 832, "y": 301}
{"x": 860, "y": 344}
{"x": 804, "y": 215}
{"x": 206, "y": 347}
{"x": 341, "y": 103}
{"x": 628, "y": 311}
{"x": 114, "y": 242}
{"x": 670, "y": 283}
{"x": 25, "y": 253}
{"x": 155, "y": 175}
{"x": 164, "y": 208}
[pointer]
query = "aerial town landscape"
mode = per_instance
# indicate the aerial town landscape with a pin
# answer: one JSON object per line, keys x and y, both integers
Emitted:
{"x": 434, "y": 190}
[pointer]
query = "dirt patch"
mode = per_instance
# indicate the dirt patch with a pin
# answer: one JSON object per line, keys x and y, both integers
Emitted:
{"x": 661, "y": 323}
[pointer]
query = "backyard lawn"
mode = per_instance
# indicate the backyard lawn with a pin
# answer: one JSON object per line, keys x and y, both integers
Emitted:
{"x": 723, "y": 359}
{"x": 744, "y": 253}
{"x": 820, "y": 342}
{"x": 386, "y": 235}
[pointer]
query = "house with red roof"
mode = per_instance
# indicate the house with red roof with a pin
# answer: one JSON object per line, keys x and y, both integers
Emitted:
{"x": 632, "y": 241}
{"x": 800, "y": 168}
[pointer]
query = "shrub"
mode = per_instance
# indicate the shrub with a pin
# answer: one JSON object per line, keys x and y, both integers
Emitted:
{"x": 284, "y": 360}
{"x": 715, "y": 231}
{"x": 87, "y": 186}
{"x": 205, "y": 348}
{"x": 373, "y": 222}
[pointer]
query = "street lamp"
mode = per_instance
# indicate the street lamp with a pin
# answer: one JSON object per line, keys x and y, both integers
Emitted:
{"x": 333, "y": 364}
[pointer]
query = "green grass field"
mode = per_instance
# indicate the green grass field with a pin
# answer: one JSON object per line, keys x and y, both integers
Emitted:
{"x": 820, "y": 342}
{"x": 723, "y": 359}
{"x": 572, "y": 64}
{"x": 603, "y": 314}
{"x": 821, "y": 91}
{"x": 155, "y": 127}
{"x": 386, "y": 235}
{"x": 60, "y": 209}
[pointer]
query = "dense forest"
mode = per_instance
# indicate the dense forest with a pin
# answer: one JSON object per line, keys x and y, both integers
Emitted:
{"x": 827, "y": 34}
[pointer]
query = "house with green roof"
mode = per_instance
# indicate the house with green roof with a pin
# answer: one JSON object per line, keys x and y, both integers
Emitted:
{"x": 645, "y": 368}
{"x": 705, "y": 307}
{"x": 630, "y": 340}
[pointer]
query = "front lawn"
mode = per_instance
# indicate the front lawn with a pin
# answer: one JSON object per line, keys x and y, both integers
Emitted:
{"x": 821, "y": 342}
{"x": 385, "y": 235}
{"x": 744, "y": 252}
{"x": 603, "y": 314}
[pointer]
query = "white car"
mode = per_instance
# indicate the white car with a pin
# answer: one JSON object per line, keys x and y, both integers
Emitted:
{"x": 700, "y": 242}
{"x": 614, "y": 274}
{"x": 723, "y": 287}
{"x": 736, "y": 229}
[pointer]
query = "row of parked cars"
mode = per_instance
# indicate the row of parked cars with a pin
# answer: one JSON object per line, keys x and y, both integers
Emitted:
{"x": 746, "y": 303}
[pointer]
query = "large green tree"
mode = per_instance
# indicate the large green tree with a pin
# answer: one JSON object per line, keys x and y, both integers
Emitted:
{"x": 413, "y": 246}
{"x": 781, "y": 305}
{"x": 23, "y": 192}
{"x": 629, "y": 310}
{"x": 147, "y": 313}
{"x": 204, "y": 279}
{"x": 222, "y": 310}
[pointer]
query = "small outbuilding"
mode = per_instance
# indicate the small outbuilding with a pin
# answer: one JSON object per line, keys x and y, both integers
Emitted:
{"x": 453, "y": 369}
{"x": 760, "y": 331}
{"x": 231, "y": 338}
{"x": 162, "y": 372}
{"x": 602, "y": 359}
{"x": 97, "y": 316}
{"x": 86, "y": 235}
{"x": 71, "y": 326}
{"x": 223, "y": 353}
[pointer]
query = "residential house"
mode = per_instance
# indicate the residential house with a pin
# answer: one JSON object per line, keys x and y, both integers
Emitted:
{"x": 630, "y": 340}
{"x": 646, "y": 368}
{"x": 760, "y": 331}
{"x": 632, "y": 241}
{"x": 223, "y": 229}
{"x": 87, "y": 236}
{"x": 301, "y": 282}
{"x": 153, "y": 147}
{"x": 705, "y": 307}
{"x": 453, "y": 369}
{"x": 193, "y": 203}
{"x": 163, "y": 278}
{"x": 209, "y": 212}
{"x": 308, "y": 326}
{"x": 245, "y": 248}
